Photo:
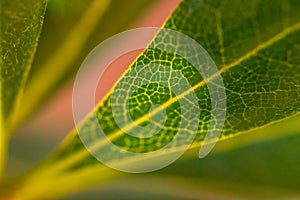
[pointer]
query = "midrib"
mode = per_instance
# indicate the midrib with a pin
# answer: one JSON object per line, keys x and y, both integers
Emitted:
{"x": 225, "y": 68}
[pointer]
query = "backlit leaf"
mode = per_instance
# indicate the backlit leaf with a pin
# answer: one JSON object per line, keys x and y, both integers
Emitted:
{"x": 21, "y": 23}
{"x": 20, "y": 26}
{"x": 255, "y": 45}
{"x": 258, "y": 60}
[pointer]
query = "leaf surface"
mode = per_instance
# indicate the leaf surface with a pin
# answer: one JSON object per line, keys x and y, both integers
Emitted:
{"x": 258, "y": 60}
{"x": 255, "y": 45}
{"x": 21, "y": 24}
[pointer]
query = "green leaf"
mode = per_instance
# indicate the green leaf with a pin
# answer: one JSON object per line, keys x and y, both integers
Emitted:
{"x": 69, "y": 34}
{"x": 259, "y": 65}
{"x": 21, "y": 23}
{"x": 255, "y": 45}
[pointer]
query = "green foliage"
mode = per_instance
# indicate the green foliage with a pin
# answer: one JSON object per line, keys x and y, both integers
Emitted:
{"x": 21, "y": 23}
{"x": 258, "y": 60}
{"x": 255, "y": 45}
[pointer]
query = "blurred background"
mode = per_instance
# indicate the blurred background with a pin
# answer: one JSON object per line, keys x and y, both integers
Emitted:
{"x": 246, "y": 167}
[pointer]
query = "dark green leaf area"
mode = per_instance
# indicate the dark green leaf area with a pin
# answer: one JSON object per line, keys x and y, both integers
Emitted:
{"x": 21, "y": 23}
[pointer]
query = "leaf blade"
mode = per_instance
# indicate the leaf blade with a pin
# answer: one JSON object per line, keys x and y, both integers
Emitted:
{"x": 281, "y": 107}
{"x": 21, "y": 24}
